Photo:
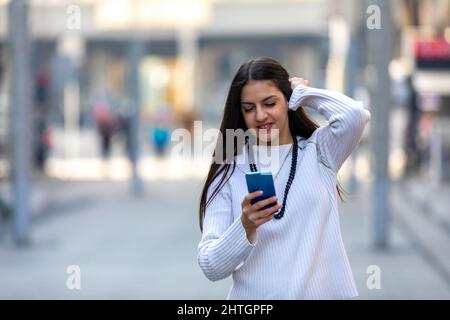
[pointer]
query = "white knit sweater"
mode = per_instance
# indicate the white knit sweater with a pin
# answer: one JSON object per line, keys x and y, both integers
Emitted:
{"x": 300, "y": 256}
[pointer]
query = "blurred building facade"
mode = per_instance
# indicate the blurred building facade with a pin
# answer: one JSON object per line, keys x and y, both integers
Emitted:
{"x": 422, "y": 62}
{"x": 81, "y": 55}
{"x": 88, "y": 58}
{"x": 191, "y": 49}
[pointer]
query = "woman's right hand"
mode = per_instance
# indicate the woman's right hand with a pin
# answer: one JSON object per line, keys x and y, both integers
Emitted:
{"x": 252, "y": 215}
{"x": 296, "y": 81}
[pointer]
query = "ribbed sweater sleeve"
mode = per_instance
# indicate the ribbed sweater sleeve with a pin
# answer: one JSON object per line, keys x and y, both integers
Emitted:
{"x": 346, "y": 121}
{"x": 224, "y": 245}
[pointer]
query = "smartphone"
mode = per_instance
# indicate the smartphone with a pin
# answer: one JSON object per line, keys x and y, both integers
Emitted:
{"x": 261, "y": 181}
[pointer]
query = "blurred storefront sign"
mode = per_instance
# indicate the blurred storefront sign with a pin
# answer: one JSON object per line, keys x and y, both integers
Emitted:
{"x": 432, "y": 54}
{"x": 437, "y": 82}
{"x": 432, "y": 62}
{"x": 431, "y": 80}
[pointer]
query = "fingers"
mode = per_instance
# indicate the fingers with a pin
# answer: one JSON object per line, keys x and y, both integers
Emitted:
{"x": 250, "y": 197}
{"x": 266, "y": 215}
{"x": 257, "y": 216}
{"x": 265, "y": 219}
{"x": 269, "y": 212}
{"x": 295, "y": 81}
{"x": 298, "y": 79}
{"x": 263, "y": 203}
{"x": 256, "y": 207}
{"x": 252, "y": 215}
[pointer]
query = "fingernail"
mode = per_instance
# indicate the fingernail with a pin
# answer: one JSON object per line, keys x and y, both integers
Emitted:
{"x": 260, "y": 192}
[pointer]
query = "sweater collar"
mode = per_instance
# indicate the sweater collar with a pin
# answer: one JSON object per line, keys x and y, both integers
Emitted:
{"x": 242, "y": 162}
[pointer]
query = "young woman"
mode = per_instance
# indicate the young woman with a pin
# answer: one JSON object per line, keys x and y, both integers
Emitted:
{"x": 292, "y": 250}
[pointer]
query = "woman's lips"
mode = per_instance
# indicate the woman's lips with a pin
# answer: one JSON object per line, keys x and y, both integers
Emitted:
{"x": 267, "y": 126}
{"x": 266, "y": 131}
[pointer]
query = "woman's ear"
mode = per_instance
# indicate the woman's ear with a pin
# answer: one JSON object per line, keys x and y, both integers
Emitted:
{"x": 286, "y": 101}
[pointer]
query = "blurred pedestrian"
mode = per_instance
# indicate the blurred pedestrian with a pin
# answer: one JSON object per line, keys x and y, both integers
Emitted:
{"x": 124, "y": 124}
{"x": 41, "y": 142}
{"x": 411, "y": 134}
{"x": 160, "y": 137}
{"x": 160, "y": 133}
{"x": 293, "y": 249}
{"x": 105, "y": 125}
{"x": 188, "y": 119}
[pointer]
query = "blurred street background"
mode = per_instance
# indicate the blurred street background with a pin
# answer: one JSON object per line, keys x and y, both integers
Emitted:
{"x": 98, "y": 96}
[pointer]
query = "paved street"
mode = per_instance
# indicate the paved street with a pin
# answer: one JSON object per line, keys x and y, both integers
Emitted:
{"x": 91, "y": 109}
{"x": 145, "y": 248}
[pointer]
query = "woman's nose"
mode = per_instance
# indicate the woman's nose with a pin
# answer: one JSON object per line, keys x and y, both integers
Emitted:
{"x": 261, "y": 115}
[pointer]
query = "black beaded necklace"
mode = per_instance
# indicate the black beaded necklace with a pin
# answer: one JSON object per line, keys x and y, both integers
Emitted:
{"x": 253, "y": 168}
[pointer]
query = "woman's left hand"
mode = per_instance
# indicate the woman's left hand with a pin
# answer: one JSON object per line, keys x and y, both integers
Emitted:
{"x": 295, "y": 81}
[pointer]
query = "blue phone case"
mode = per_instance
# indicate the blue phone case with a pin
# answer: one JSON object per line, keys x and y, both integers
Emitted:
{"x": 261, "y": 181}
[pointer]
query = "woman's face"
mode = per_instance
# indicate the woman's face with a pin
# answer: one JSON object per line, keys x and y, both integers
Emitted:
{"x": 265, "y": 110}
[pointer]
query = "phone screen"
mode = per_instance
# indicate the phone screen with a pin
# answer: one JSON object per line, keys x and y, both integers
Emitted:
{"x": 261, "y": 181}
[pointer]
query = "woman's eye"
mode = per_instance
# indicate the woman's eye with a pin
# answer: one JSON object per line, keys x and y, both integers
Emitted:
{"x": 270, "y": 104}
{"x": 248, "y": 109}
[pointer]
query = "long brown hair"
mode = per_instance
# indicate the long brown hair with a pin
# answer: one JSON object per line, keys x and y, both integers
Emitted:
{"x": 263, "y": 68}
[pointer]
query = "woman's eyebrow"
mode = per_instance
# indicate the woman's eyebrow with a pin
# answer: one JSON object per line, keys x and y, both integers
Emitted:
{"x": 272, "y": 96}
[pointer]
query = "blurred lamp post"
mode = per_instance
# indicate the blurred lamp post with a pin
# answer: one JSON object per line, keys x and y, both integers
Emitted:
{"x": 136, "y": 49}
{"x": 21, "y": 124}
{"x": 380, "y": 54}
{"x": 70, "y": 48}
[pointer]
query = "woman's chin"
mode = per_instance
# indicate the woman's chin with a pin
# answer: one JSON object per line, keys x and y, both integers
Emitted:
{"x": 271, "y": 137}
